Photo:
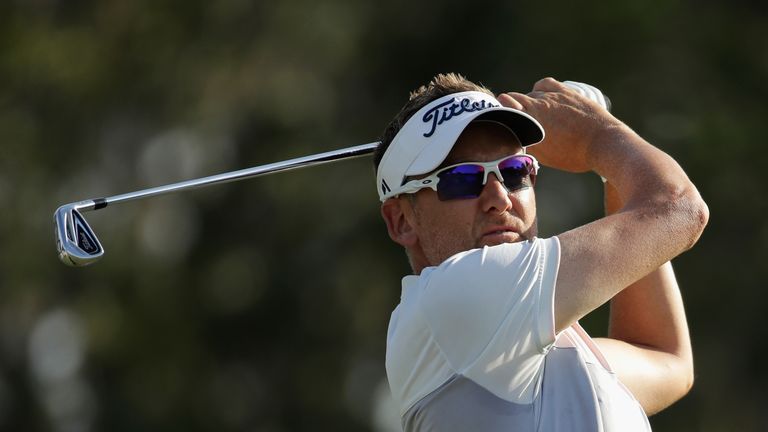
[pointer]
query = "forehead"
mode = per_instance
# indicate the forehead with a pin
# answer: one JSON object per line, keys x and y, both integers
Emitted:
{"x": 483, "y": 141}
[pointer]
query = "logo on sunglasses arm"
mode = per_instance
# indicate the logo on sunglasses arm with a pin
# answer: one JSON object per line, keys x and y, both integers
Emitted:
{"x": 447, "y": 110}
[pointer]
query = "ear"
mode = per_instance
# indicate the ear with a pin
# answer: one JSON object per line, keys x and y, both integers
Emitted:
{"x": 399, "y": 217}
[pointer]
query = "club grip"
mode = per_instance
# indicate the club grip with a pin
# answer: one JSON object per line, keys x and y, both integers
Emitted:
{"x": 590, "y": 92}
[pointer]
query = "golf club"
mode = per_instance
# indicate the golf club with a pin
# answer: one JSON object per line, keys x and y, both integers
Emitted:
{"x": 78, "y": 245}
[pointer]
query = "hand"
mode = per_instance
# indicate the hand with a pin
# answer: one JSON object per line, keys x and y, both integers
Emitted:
{"x": 571, "y": 123}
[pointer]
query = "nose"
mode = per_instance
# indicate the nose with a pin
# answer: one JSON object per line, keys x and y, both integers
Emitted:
{"x": 495, "y": 197}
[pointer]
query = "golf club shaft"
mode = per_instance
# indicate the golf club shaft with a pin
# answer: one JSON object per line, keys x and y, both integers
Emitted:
{"x": 301, "y": 162}
{"x": 306, "y": 161}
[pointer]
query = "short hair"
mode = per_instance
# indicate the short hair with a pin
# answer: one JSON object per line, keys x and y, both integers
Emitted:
{"x": 441, "y": 85}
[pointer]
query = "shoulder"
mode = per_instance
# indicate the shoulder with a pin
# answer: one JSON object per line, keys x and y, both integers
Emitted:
{"x": 506, "y": 255}
{"x": 490, "y": 275}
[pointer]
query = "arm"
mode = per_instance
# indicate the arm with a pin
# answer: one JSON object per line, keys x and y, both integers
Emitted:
{"x": 661, "y": 215}
{"x": 648, "y": 344}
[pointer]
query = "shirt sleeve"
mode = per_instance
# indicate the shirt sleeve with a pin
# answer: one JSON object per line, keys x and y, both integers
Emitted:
{"x": 491, "y": 311}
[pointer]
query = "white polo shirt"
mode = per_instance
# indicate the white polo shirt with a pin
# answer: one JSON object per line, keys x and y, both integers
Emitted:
{"x": 471, "y": 347}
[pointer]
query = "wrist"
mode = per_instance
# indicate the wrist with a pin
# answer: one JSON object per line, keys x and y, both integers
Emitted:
{"x": 609, "y": 148}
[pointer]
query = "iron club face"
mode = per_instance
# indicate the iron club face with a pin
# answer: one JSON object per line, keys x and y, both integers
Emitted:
{"x": 75, "y": 241}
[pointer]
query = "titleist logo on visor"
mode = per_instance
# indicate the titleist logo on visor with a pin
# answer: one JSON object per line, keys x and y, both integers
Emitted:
{"x": 447, "y": 110}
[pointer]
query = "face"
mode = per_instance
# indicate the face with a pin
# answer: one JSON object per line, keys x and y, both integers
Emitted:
{"x": 444, "y": 228}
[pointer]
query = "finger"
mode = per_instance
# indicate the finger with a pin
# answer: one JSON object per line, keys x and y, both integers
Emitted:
{"x": 515, "y": 100}
{"x": 507, "y": 100}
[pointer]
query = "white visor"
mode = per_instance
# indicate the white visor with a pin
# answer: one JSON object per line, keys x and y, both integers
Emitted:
{"x": 428, "y": 136}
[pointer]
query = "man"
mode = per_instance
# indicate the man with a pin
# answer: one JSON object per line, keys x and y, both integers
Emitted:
{"x": 486, "y": 336}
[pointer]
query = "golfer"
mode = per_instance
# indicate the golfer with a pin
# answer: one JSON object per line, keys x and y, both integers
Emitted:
{"x": 486, "y": 336}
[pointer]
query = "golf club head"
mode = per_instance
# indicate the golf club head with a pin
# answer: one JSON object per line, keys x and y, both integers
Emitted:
{"x": 75, "y": 241}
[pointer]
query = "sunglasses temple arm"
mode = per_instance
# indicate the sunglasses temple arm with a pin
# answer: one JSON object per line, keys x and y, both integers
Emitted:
{"x": 414, "y": 186}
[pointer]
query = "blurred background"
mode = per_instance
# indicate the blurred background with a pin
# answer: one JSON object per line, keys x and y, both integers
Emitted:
{"x": 263, "y": 305}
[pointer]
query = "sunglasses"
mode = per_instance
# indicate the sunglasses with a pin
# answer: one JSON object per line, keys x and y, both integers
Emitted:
{"x": 467, "y": 179}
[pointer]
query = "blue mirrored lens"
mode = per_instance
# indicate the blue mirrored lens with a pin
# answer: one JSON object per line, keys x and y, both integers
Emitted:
{"x": 517, "y": 171}
{"x": 463, "y": 181}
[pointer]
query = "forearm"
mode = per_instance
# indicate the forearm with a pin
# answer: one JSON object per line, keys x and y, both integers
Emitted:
{"x": 642, "y": 176}
{"x": 658, "y": 200}
{"x": 650, "y": 313}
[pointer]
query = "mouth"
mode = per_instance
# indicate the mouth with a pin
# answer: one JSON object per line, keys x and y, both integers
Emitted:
{"x": 499, "y": 236}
